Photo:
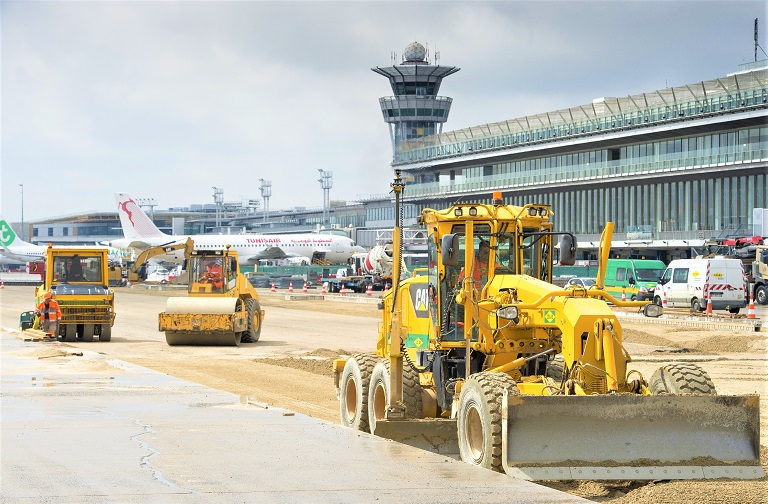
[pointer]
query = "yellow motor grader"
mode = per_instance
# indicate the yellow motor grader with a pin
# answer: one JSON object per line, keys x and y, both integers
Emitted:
{"x": 222, "y": 307}
{"x": 512, "y": 373}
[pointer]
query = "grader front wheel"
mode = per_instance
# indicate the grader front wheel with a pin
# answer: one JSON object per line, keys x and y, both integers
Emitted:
{"x": 479, "y": 419}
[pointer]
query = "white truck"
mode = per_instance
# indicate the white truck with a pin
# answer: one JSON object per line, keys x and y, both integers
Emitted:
{"x": 692, "y": 282}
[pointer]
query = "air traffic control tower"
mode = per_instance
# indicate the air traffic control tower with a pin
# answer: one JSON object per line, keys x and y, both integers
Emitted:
{"x": 415, "y": 110}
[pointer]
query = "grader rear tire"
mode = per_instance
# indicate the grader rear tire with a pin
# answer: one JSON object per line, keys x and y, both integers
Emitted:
{"x": 378, "y": 393}
{"x": 353, "y": 393}
{"x": 253, "y": 332}
{"x": 681, "y": 378}
{"x": 479, "y": 419}
{"x": 556, "y": 368}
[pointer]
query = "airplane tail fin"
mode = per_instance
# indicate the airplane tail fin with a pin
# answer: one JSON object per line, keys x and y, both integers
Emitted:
{"x": 134, "y": 221}
{"x": 8, "y": 237}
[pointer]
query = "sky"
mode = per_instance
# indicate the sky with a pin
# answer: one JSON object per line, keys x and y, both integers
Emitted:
{"x": 167, "y": 100}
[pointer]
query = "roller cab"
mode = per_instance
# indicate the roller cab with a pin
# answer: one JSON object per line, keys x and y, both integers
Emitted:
{"x": 222, "y": 307}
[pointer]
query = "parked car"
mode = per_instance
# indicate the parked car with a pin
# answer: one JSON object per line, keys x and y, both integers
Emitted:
{"x": 581, "y": 282}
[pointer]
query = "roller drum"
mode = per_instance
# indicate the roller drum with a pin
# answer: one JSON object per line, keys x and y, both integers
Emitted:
{"x": 202, "y": 321}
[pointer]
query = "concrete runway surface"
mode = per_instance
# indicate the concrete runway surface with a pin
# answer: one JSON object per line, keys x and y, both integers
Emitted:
{"x": 86, "y": 428}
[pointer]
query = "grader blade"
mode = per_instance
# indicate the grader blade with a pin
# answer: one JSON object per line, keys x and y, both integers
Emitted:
{"x": 437, "y": 435}
{"x": 631, "y": 437}
{"x": 202, "y": 321}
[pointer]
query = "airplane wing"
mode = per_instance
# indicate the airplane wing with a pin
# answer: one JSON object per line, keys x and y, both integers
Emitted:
{"x": 267, "y": 253}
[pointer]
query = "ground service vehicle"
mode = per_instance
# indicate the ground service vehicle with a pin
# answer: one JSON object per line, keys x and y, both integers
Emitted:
{"x": 522, "y": 376}
{"x": 692, "y": 282}
{"x": 222, "y": 307}
{"x": 78, "y": 280}
{"x": 758, "y": 275}
{"x": 635, "y": 277}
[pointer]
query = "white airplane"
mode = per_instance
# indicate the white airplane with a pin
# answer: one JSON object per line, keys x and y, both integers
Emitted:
{"x": 141, "y": 233}
{"x": 14, "y": 248}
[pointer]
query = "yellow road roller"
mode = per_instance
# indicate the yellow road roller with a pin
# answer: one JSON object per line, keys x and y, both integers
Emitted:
{"x": 222, "y": 307}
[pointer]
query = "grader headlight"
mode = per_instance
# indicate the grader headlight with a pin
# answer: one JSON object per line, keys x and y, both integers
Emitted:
{"x": 508, "y": 312}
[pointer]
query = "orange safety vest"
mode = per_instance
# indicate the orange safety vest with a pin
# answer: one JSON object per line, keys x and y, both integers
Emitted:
{"x": 479, "y": 271}
{"x": 52, "y": 312}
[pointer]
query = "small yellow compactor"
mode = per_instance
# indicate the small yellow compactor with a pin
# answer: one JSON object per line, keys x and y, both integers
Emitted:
{"x": 502, "y": 369}
{"x": 222, "y": 307}
{"x": 77, "y": 278}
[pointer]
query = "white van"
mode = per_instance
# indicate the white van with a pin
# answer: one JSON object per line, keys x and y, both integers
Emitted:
{"x": 689, "y": 282}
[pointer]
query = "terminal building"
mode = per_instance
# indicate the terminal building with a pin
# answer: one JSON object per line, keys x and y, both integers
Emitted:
{"x": 671, "y": 167}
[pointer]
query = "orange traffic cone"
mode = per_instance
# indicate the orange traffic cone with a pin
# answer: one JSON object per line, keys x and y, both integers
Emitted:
{"x": 709, "y": 306}
{"x": 324, "y": 290}
{"x": 751, "y": 312}
{"x": 2, "y": 284}
{"x": 623, "y": 295}
{"x": 369, "y": 291}
{"x": 343, "y": 291}
{"x": 273, "y": 288}
{"x": 290, "y": 287}
{"x": 304, "y": 289}
{"x": 663, "y": 299}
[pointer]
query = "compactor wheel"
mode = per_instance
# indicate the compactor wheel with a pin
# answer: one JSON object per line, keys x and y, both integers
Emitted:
{"x": 106, "y": 332}
{"x": 87, "y": 332}
{"x": 70, "y": 332}
{"x": 253, "y": 332}
{"x": 479, "y": 419}
{"x": 378, "y": 393}
{"x": 353, "y": 393}
{"x": 681, "y": 378}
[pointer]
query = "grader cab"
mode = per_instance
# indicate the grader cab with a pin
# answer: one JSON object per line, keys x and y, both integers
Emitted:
{"x": 510, "y": 372}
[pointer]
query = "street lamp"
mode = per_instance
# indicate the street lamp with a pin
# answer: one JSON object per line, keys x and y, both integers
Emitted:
{"x": 22, "y": 211}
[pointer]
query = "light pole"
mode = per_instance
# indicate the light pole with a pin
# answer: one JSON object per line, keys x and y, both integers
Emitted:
{"x": 326, "y": 181}
{"x": 22, "y": 211}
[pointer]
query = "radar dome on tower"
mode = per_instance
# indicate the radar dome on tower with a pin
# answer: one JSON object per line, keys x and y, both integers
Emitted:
{"x": 415, "y": 52}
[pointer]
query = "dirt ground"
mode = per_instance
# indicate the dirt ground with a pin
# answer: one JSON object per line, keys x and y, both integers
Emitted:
{"x": 295, "y": 373}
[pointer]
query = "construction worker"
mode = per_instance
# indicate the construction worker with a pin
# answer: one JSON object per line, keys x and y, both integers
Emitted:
{"x": 480, "y": 268}
{"x": 75, "y": 273}
{"x": 49, "y": 313}
{"x": 214, "y": 275}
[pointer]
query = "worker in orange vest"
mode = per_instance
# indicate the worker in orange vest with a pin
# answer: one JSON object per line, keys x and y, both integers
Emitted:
{"x": 214, "y": 275}
{"x": 480, "y": 267}
{"x": 50, "y": 314}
